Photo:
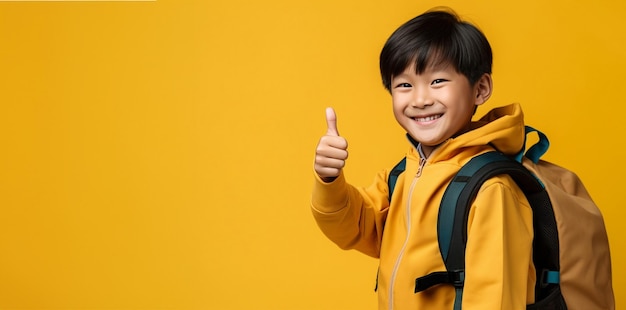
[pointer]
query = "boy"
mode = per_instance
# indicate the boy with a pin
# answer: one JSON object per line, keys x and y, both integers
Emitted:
{"x": 438, "y": 70}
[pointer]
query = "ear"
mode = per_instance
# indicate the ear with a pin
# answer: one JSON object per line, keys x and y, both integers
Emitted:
{"x": 483, "y": 89}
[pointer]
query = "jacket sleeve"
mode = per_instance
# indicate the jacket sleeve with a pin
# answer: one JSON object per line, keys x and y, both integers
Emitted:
{"x": 499, "y": 273}
{"x": 351, "y": 217}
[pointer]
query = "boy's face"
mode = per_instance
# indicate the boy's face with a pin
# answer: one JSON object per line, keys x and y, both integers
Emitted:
{"x": 434, "y": 105}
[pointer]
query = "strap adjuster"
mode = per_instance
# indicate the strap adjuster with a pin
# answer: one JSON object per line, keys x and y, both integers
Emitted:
{"x": 549, "y": 277}
{"x": 456, "y": 278}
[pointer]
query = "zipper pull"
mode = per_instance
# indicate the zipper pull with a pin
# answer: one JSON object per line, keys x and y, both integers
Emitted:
{"x": 421, "y": 166}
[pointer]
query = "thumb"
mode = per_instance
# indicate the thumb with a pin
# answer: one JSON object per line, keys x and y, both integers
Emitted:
{"x": 331, "y": 121}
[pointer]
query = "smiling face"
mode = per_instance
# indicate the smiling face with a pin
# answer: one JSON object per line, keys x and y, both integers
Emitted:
{"x": 436, "y": 104}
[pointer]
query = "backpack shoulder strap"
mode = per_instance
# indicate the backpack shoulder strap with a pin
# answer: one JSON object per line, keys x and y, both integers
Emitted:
{"x": 394, "y": 174}
{"x": 454, "y": 212}
{"x": 462, "y": 190}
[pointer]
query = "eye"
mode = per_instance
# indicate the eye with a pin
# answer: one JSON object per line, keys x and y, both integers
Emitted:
{"x": 403, "y": 85}
{"x": 438, "y": 81}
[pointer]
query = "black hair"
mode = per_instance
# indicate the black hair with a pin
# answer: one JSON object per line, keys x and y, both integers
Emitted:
{"x": 436, "y": 37}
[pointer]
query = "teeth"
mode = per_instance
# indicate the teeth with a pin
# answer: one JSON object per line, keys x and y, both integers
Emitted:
{"x": 428, "y": 118}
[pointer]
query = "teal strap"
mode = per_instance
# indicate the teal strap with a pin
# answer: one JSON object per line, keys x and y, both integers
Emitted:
{"x": 537, "y": 150}
{"x": 458, "y": 299}
{"x": 451, "y": 196}
{"x": 552, "y": 277}
{"x": 447, "y": 210}
{"x": 394, "y": 174}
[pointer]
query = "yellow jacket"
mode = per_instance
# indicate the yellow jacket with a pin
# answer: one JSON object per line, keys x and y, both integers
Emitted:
{"x": 403, "y": 234}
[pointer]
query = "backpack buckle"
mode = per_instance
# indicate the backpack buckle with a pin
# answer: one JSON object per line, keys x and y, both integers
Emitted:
{"x": 457, "y": 278}
{"x": 549, "y": 277}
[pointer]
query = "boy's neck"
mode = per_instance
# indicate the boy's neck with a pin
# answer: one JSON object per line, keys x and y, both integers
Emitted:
{"x": 423, "y": 150}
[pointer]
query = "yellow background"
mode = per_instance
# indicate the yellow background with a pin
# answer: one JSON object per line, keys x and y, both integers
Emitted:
{"x": 158, "y": 155}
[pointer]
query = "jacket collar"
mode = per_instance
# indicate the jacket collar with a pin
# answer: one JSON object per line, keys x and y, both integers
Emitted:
{"x": 417, "y": 145}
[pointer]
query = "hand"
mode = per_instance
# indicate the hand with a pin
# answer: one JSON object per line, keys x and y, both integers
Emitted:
{"x": 332, "y": 150}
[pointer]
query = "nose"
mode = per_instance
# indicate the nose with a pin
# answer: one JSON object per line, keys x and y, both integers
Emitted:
{"x": 422, "y": 98}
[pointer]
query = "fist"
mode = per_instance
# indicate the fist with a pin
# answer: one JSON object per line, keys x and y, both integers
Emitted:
{"x": 332, "y": 150}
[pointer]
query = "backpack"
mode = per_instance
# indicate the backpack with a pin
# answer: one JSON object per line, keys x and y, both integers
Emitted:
{"x": 570, "y": 246}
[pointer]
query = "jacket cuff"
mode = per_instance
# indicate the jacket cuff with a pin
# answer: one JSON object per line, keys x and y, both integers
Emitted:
{"x": 329, "y": 197}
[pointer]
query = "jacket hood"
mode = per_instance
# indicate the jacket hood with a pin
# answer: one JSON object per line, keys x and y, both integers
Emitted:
{"x": 502, "y": 128}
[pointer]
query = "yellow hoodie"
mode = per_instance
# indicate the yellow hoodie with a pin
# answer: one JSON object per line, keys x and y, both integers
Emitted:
{"x": 403, "y": 234}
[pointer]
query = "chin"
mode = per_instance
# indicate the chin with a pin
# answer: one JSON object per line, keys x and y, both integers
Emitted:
{"x": 426, "y": 141}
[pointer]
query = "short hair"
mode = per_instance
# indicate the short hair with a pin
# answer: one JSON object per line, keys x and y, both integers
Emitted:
{"x": 433, "y": 38}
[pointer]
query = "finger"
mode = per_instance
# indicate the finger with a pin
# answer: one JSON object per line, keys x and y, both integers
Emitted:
{"x": 327, "y": 172}
{"x": 333, "y": 142}
{"x": 330, "y": 163}
{"x": 332, "y": 152}
{"x": 331, "y": 121}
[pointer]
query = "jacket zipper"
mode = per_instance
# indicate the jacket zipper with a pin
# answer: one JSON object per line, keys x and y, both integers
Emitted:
{"x": 408, "y": 232}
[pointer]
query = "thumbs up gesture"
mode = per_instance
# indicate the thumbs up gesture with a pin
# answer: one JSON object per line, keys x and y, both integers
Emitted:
{"x": 332, "y": 150}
